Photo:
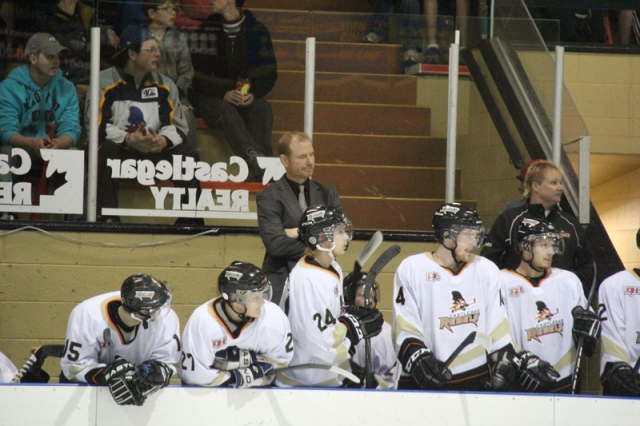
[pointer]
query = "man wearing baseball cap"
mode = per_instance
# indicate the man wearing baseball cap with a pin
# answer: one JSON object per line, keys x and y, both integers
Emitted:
{"x": 140, "y": 118}
{"x": 38, "y": 106}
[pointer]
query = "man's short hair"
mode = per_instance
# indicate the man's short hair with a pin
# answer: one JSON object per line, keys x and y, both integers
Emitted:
{"x": 284, "y": 144}
{"x": 536, "y": 174}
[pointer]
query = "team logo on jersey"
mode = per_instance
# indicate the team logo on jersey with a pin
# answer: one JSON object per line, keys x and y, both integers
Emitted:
{"x": 149, "y": 92}
{"x": 564, "y": 234}
{"x": 335, "y": 290}
{"x": 544, "y": 313}
{"x": 545, "y": 323}
{"x": 530, "y": 222}
{"x": 516, "y": 291}
{"x": 145, "y": 294}
{"x": 217, "y": 344}
{"x": 460, "y": 313}
{"x": 632, "y": 291}
{"x": 433, "y": 276}
{"x": 233, "y": 275}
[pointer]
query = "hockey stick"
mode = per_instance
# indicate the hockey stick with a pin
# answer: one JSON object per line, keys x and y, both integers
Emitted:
{"x": 482, "y": 339}
{"x": 579, "y": 348}
{"x": 367, "y": 251}
{"x": 39, "y": 355}
{"x": 337, "y": 370}
{"x": 106, "y": 334}
{"x": 376, "y": 268}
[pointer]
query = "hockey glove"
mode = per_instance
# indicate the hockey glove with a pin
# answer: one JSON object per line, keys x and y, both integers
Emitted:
{"x": 118, "y": 375}
{"x": 233, "y": 358}
{"x": 361, "y": 323}
{"x": 535, "y": 374}
{"x": 586, "y": 324}
{"x": 256, "y": 375}
{"x": 151, "y": 376}
{"x": 426, "y": 369}
{"x": 620, "y": 380}
{"x": 503, "y": 367}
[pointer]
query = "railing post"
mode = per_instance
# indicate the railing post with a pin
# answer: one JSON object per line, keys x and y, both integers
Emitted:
{"x": 309, "y": 85}
{"x": 557, "y": 107}
{"x": 454, "y": 53}
{"x": 92, "y": 170}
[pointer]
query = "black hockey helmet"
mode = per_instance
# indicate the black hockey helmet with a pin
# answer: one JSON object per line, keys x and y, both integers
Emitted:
{"x": 454, "y": 217}
{"x": 638, "y": 238}
{"x": 530, "y": 230}
{"x": 144, "y": 296}
{"x": 350, "y": 286}
{"x": 240, "y": 279}
{"x": 318, "y": 223}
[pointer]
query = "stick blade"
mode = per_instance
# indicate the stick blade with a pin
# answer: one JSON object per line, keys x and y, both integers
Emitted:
{"x": 483, "y": 339}
{"x": 368, "y": 250}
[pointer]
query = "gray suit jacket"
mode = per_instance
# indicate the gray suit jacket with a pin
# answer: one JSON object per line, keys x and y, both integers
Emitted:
{"x": 278, "y": 209}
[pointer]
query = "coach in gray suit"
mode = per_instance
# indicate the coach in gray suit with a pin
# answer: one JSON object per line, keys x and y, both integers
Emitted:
{"x": 281, "y": 205}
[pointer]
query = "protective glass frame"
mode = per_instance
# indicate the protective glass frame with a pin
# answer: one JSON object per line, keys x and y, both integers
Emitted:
{"x": 532, "y": 241}
{"x": 455, "y": 230}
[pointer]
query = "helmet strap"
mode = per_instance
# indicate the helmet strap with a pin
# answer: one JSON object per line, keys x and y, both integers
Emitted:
{"x": 242, "y": 315}
{"x": 328, "y": 250}
{"x": 530, "y": 262}
{"x": 451, "y": 249}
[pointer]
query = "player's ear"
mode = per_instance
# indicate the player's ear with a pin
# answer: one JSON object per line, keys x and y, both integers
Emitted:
{"x": 284, "y": 160}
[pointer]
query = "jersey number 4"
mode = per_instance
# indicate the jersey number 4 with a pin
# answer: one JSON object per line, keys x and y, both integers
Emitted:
{"x": 400, "y": 298}
{"x": 329, "y": 319}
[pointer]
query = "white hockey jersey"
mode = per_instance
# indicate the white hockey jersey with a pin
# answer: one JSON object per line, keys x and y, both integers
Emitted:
{"x": 384, "y": 361}
{"x": 206, "y": 333}
{"x": 540, "y": 317}
{"x": 440, "y": 309}
{"x": 619, "y": 297}
{"x": 7, "y": 370}
{"x": 315, "y": 303}
{"x": 86, "y": 348}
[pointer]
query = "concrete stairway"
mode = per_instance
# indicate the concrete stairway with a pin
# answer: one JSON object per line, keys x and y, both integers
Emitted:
{"x": 372, "y": 142}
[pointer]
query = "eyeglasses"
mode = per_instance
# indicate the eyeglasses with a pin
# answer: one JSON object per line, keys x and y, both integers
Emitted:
{"x": 150, "y": 49}
{"x": 168, "y": 9}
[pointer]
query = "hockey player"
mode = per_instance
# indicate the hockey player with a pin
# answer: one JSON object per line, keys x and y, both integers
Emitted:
{"x": 384, "y": 362}
{"x": 324, "y": 330}
{"x": 127, "y": 340}
{"x": 543, "y": 304}
{"x": 238, "y": 337}
{"x": 619, "y": 297}
{"x": 442, "y": 296}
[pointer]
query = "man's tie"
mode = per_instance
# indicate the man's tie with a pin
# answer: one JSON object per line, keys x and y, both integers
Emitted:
{"x": 301, "y": 199}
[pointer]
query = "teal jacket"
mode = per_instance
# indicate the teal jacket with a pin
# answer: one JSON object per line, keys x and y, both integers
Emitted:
{"x": 28, "y": 110}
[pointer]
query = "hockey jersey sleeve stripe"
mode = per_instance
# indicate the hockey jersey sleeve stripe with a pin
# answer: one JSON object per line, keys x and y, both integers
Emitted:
{"x": 566, "y": 360}
{"x": 402, "y": 325}
{"x": 612, "y": 350}
{"x": 470, "y": 355}
{"x": 501, "y": 335}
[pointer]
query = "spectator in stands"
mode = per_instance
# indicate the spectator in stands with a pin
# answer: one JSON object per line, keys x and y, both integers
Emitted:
{"x": 433, "y": 55}
{"x": 628, "y": 19}
{"x": 523, "y": 173}
{"x": 175, "y": 59}
{"x": 191, "y": 13}
{"x": 233, "y": 76}
{"x": 38, "y": 106}
{"x": 140, "y": 116}
{"x": 542, "y": 191}
{"x": 379, "y": 28}
{"x": 281, "y": 205}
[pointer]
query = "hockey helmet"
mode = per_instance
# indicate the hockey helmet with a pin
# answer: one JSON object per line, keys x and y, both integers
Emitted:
{"x": 455, "y": 217}
{"x": 242, "y": 279}
{"x": 352, "y": 283}
{"x": 531, "y": 232}
{"x": 318, "y": 224}
{"x": 638, "y": 238}
{"x": 144, "y": 296}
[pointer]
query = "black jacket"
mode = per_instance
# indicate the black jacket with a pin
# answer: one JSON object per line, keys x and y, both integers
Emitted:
{"x": 576, "y": 258}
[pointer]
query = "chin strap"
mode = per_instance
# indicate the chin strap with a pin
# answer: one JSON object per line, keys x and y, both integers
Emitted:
{"x": 242, "y": 315}
{"x": 453, "y": 251}
{"x": 328, "y": 250}
{"x": 530, "y": 263}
